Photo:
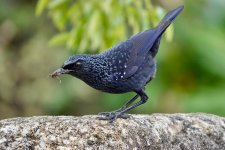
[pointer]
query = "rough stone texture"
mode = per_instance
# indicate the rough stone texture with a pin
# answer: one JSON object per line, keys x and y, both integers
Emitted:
{"x": 157, "y": 131}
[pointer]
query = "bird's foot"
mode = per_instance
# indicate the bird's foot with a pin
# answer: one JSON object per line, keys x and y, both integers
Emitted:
{"x": 110, "y": 113}
{"x": 106, "y": 114}
{"x": 112, "y": 116}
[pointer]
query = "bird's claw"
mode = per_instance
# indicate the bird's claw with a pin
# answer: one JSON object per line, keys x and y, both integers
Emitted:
{"x": 106, "y": 114}
{"x": 112, "y": 116}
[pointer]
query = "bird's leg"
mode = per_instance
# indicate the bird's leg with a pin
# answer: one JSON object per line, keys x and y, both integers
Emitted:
{"x": 128, "y": 103}
{"x": 120, "y": 109}
{"x": 143, "y": 100}
{"x": 121, "y": 114}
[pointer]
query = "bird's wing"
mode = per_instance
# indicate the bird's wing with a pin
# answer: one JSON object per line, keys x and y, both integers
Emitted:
{"x": 141, "y": 45}
{"x": 125, "y": 58}
{"x": 129, "y": 55}
{"x": 117, "y": 57}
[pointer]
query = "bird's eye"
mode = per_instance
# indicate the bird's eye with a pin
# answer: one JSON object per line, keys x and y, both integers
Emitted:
{"x": 77, "y": 64}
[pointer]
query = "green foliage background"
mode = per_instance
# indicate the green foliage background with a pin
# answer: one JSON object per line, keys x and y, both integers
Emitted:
{"x": 94, "y": 25}
{"x": 37, "y": 36}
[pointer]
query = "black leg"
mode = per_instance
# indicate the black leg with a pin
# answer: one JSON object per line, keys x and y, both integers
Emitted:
{"x": 121, "y": 113}
{"x": 120, "y": 109}
{"x": 143, "y": 100}
{"x": 129, "y": 102}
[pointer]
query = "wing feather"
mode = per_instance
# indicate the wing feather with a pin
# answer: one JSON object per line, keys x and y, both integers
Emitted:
{"x": 126, "y": 57}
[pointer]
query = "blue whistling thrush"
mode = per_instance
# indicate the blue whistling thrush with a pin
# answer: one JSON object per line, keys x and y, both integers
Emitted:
{"x": 127, "y": 66}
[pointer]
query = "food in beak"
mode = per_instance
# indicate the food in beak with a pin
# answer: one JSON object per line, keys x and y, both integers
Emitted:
{"x": 58, "y": 72}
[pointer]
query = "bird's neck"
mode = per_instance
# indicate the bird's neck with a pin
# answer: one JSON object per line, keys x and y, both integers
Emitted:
{"x": 97, "y": 72}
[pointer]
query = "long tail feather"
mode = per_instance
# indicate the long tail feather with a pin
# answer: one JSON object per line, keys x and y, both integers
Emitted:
{"x": 168, "y": 19}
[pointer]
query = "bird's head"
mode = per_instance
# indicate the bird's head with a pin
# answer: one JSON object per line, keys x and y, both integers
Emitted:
{"x": 76, "y": 65}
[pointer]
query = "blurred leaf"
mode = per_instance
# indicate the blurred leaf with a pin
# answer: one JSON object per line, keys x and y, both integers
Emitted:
{"x": 75, "y": 37}
{"x": 41, "y": 5}
{"x": 169, "y": 33}
{"x": 56, "y": 3}
{"x": 60, "y": 19}
{"x": 59, "y": 39}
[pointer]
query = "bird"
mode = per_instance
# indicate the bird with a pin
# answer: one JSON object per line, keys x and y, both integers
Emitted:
{"x": 126, "y": 67}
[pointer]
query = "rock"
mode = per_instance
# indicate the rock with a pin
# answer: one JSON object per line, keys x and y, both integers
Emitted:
{"x": 157, "y": 131}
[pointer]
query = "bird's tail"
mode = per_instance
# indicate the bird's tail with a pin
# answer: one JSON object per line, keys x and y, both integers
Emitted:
{"x": 168, "y": 19}
{"x": 164, "y": 24}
